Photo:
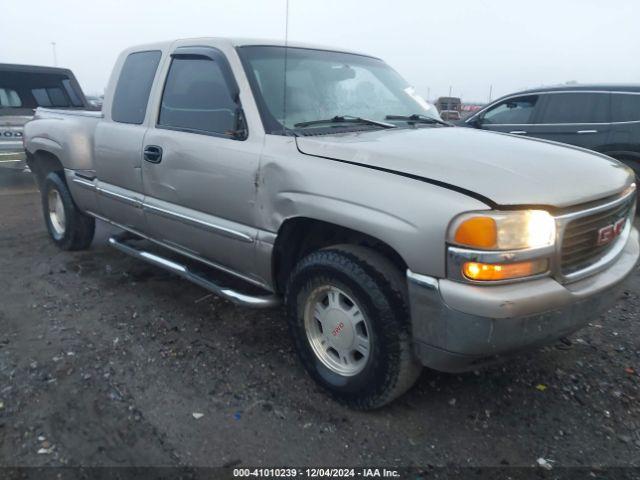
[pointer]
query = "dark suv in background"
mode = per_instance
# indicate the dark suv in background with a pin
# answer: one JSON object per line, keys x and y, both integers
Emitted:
{"x": 604, "y": 118}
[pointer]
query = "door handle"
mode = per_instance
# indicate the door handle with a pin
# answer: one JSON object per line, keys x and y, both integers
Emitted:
{"x": 518, "y": 132}
{"x": 587, "y": 131}
{"x": 152, "y": 153}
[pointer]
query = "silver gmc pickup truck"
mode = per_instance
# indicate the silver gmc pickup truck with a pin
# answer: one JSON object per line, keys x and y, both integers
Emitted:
{"x": 318, "y": 178}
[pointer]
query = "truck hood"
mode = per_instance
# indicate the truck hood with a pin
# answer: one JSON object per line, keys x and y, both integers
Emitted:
{"x": 504, "y": 169}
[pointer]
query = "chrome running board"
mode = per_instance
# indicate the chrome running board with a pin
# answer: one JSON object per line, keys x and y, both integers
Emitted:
{"x": 265, "y": 301}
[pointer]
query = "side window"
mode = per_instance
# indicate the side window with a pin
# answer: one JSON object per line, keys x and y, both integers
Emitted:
{"x": 625, "y": 107}
{"x": 196, "y": 98}
{"x": 576, "y": 108}
{"x": 50, "y": 97}
{"x": 134, "y": 85}
{"x": 42, "y": 99}
{"x": 58, "y": 97}
{"x": 73, "y": 95}
{"x": 517, "y": 110}
{"x": 9, "y": 98}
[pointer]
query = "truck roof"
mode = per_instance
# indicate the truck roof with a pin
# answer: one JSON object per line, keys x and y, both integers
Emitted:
{"x": 13, "y": 67}
{"x": 592, "y": 87}
{"x": 245, "y": 42}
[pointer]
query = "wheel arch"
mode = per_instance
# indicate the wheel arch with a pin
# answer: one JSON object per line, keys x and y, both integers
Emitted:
{"x": 301, "y": 235}
{"x": 42, "y": 162}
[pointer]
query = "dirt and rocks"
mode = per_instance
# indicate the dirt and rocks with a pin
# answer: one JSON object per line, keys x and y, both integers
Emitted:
{"x": 105, "y": 360}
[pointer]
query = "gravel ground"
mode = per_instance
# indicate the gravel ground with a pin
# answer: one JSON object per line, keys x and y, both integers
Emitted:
{"x": 105, "y": 360}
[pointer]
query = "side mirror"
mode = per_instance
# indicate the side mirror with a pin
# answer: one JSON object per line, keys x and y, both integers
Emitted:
{"x": 475, "y": 122}
{"x": 240, "y": 127}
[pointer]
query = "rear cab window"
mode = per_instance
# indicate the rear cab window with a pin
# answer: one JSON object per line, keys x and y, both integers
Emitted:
{"x": 134, "y": 86}
{"x": 575, "y": 107}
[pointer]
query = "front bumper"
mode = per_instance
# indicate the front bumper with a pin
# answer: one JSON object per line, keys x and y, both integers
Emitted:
{"x": 458, "y": 327}
{"x": 14, "y": 158}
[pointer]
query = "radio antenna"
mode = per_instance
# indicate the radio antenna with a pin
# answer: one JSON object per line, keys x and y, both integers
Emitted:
{"x": 284, "y": 83}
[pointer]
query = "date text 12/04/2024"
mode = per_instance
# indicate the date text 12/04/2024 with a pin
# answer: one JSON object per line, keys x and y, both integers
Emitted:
{"x": 316, "y": 472}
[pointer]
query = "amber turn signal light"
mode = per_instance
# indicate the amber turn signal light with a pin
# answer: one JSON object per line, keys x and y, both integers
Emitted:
{"x": 495, "y": 272}
{"x": 480, "y": 232}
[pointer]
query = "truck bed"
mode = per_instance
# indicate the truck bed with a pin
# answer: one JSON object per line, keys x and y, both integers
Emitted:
{"x": 68, "y": 134}
{"x": 42, "y": 112}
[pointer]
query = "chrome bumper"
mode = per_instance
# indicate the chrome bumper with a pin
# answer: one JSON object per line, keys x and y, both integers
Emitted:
{"x": 13, "y": 159}
{"x": 458, "y": 327}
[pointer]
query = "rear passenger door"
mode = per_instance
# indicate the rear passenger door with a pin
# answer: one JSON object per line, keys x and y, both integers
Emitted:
{"x": 577, "y": 118}
{"x": 200, "y": 165}
{"x": 624, "y": 138}
{"x": 118, "y": 142}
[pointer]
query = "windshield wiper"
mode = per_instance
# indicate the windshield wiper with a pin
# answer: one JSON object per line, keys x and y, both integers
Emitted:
{"x": 416, "y": 118}
{"x": 344, "y": 119}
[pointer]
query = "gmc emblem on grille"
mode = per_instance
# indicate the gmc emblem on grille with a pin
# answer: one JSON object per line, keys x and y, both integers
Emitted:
{"x": 608, "y": 233}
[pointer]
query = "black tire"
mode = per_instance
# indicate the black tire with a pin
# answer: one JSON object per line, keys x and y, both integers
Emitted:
{"x": 379, "y": 289}
{"x": 78, "y": 230}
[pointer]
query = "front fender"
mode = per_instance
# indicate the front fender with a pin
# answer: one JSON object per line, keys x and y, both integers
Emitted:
{"x": 338, "y": 211}
{"x": 410, "y": 216}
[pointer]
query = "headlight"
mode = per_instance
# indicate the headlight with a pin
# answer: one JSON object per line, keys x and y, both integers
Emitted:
{"x": 503, "y": 230}
{"x": 498, "y": 246}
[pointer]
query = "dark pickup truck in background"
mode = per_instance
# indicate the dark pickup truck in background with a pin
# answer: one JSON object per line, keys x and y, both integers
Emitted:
{"x": 23, "y": 88}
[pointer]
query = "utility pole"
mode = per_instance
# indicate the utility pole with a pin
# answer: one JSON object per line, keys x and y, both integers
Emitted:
{"x": 55, "y": 55}
{"x": 490, "y": 92}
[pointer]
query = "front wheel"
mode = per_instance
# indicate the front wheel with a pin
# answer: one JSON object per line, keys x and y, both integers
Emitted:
{"x": 348, "y": 315}
{"x": 68, "y": 227}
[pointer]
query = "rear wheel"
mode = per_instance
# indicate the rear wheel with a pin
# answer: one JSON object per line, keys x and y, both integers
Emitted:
{"x": 68, "y": 227}
{"x": 347, "y": 311}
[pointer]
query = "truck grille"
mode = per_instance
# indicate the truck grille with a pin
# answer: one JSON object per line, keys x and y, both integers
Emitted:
{"x": 580, "y": 247}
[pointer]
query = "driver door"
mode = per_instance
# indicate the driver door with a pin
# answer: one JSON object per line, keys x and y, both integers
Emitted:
{"x": 200, "y": 167}
{"x": 514, "y": 115}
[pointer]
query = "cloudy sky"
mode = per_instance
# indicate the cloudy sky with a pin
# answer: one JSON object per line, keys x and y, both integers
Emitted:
{"x": 466, "y": 44}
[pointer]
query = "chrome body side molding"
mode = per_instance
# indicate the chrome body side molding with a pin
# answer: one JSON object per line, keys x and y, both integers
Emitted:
{"x": 180, "y": 250}
{"x": 199, "y": 223}
{"x": 89, "y": 185}
{"x": 141, "y": 202}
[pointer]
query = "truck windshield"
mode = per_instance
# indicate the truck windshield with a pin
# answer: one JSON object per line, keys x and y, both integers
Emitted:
{"x": 322, "y": 84}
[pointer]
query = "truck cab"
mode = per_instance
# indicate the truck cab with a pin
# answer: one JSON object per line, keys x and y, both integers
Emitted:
{"x": 318, "y": 178}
